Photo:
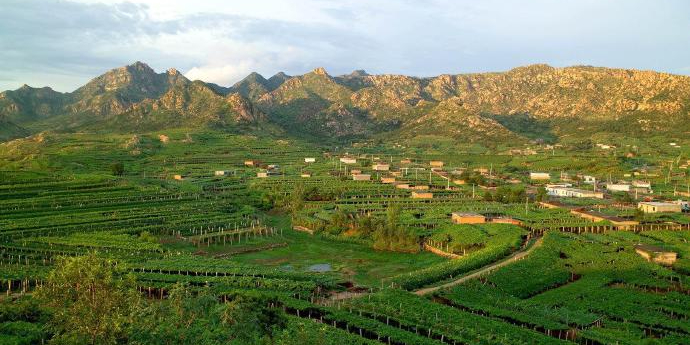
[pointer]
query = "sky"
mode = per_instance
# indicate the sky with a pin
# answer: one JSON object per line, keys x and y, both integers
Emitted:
{"x": 63, "y": 44}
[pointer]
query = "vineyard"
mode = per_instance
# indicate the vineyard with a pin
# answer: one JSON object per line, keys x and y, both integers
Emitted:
{"x": 361, "y": 250}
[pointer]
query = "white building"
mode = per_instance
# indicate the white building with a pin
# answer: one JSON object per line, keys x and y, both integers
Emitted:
{"x": 573, "y": 192}
{"x": 589, "y": 179}
{"x": 618, "y": 187}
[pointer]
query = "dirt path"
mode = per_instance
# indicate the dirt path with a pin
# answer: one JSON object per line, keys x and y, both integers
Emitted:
{"x": 496, "y": 265}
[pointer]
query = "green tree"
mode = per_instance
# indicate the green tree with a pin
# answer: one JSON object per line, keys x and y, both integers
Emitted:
{"x": 118, "y": 169}
{"x": 92, "y": 299}
{"x": 541, "y": 194}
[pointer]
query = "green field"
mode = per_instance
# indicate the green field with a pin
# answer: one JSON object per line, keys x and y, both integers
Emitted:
{"x": 229, "y": 241}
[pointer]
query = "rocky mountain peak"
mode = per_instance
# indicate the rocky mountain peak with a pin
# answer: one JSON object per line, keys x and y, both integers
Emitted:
{"x": 320, "y": 71}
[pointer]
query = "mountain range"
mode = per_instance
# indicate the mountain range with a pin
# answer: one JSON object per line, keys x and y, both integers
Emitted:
{"x": 536, "y": 102}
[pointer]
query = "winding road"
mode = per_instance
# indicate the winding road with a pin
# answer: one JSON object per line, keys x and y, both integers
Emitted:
{"x": 486, "y": 269}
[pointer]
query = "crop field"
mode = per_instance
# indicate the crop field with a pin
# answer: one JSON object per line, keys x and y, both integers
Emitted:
{"x": 356, "y": 261}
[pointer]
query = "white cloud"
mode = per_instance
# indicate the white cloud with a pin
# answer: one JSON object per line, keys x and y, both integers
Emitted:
{"x": 65, "y": 43}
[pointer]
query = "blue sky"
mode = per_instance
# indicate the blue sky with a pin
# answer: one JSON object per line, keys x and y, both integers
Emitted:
{"x": 63, "y": 44}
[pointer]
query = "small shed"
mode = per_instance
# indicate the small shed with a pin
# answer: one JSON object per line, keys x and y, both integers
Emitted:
{"x": 422, "y": 195}
{"x": 306, "y": 175}
{"x": 539, "y": 176}
{"x": 178, "y": 177}
{"x": 309, "y": 160}
{"x": 467, "y": 218}
{"x": 656, "y": 254}
{"x": 387, "y": 179}
{"x": 361, "y": 177}
{"x": 220, "y": 173}
{"x": 381, "y": 167}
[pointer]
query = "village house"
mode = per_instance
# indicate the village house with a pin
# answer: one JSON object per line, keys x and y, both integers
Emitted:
{"x": 589, "y": 179}
{"x": 420, "y": 187}
{"x": 656, "y": 254}
{"x": 380, "y": 167}
{"x": 659, "y": 207}
{"x": 402, "y": 186}
{"x": 422, "y": 195}
{"x": 355, "y": 171}
{"x": 618, "y": 187}
{"x": 467, "y": 218}
{"x": 436, "y": 164}
{"x": 573, "y": 192}
{"x": 348, "y": 160}
{"x": 539, "y": 176}
{"x": 361, "y": 177}
{"x": 251, "y": 163}
{"x": 405, "y": 161}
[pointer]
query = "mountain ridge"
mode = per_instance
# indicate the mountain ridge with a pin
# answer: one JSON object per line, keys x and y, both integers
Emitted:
{"x": 361, "y": 105}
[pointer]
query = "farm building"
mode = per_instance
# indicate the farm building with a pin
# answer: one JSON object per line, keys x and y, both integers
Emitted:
{"x": 658, "y": 207}
{"x": 402, "y": 186}
{"x": 467, "y": 218}
{"x": 618, "y": 187}
{"x": 220, "y": 173}
{"x": 178, "y": 177}
{"x": 262, "y": 174}
{"x": 422, "y": 195}
{"x": 361, "y": 177}
{"x": 387, "y": 179}
{"x": 594, "y": 216}
{"x": 539, "y": 176}
{"x": 309, "y": 160}
{"x": 506, "y": 220}
{"x": 436, "y": 164}
{"x": 573, "y": 192}
{"x": 656, "y": 254}
{"x": 381, "y": 167}
{"x": 641, "y": 184}
{"x": 348, "y": 160}
{"x": 482, "y": 171}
